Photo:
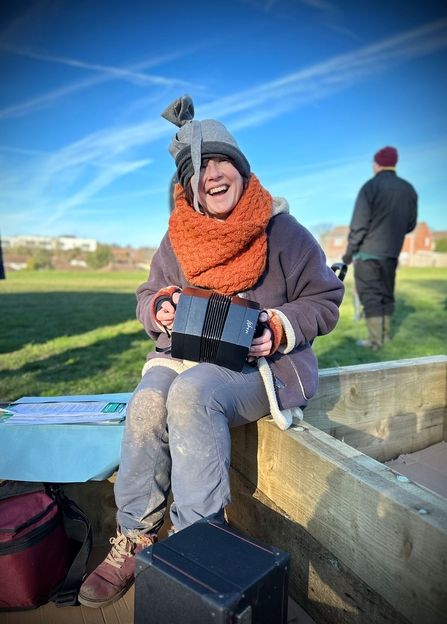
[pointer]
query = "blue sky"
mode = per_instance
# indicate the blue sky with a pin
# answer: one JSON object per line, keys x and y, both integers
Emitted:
{"x": 310, "y": 89}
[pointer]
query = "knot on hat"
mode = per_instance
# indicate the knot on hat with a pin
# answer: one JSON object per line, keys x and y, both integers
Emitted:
{"x": 386, "y": 157}
{"x": 179, "y": 111}
{"x": 198, "y": 139}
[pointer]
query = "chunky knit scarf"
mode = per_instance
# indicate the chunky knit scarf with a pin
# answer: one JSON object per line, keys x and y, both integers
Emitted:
{"x": 226, "y": 256}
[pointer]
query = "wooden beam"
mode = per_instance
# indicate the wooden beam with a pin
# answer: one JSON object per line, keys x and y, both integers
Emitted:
{"x": 384, "y": 409}
{"x": 327, "y": 589}
{"x": 391, "y": 534}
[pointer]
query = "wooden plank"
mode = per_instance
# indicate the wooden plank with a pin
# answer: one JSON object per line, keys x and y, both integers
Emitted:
{"x": 120, "y": 612}
{"x": 383, "y": 409}
{"x": 389, "y": 533}
{"x": 320, "y": 583}
{"x": 391, "y": 436}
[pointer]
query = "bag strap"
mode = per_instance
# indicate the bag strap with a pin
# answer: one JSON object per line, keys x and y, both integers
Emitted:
{"x": 67, "y": 595}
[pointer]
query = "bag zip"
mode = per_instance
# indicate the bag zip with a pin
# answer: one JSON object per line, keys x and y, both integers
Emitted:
{"x": 32, "y": 520}
{"x": 33, "y": 538}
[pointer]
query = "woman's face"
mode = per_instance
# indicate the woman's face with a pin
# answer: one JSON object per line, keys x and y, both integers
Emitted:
{"x": 220, "y": 187}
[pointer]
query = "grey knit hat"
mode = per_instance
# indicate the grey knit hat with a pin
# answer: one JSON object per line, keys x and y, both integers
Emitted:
{"x": 197, "y": 139}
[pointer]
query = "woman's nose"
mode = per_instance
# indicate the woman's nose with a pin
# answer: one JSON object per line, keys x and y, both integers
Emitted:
{"x": 212, "y": 169}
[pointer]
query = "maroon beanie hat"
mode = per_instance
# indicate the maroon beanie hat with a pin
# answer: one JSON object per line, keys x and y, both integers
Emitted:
{"x": 386, "y": 157}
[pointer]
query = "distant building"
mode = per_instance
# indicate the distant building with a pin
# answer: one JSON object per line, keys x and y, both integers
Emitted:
{"x": 14, "y": 263}
{"x": 51, "y": 243}
{"x": 128, "y": 259}
{"x": 335, "y": 241}
{"x": 419, "y": 241}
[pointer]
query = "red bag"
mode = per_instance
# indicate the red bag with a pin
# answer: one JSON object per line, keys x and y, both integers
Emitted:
{"x": 34, "y": 553}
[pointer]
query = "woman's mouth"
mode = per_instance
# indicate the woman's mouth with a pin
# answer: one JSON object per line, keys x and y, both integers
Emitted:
{"x": 219, "y": 190}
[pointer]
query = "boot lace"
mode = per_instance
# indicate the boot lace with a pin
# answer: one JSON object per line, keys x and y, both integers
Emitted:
{"x": 119, "y": 552}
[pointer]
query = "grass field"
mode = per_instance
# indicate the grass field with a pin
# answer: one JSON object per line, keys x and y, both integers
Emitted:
{"x": 75, "y": 333}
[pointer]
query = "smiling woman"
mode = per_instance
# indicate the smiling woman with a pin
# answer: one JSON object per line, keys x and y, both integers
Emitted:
{"x": 226, "y": 234}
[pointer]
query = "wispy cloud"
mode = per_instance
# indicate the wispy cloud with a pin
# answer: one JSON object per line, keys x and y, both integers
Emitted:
{"x": 317, "y": 82}
{"x": 267, "y": 5}
{"x": 98, "y": 183}
{"x": 134, "y": 76}
{"x": 93, "y": 163}
{"x": 102, "y": 74}
{"x": 311, "y": 186}
{"x": 27, "y": 20}
{"x": 23, "y": 152}
{"x": 319, "y": 5}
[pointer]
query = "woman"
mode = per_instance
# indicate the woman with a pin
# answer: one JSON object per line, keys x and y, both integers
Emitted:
{"x": 226, "y": 234}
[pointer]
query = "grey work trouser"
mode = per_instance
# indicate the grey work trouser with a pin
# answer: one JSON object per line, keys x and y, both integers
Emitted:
{"x": 177, "y": 435}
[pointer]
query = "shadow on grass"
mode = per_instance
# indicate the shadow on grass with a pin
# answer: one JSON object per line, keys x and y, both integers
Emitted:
{"x": 78, "y": 364}
{"x": 41, "y": 317}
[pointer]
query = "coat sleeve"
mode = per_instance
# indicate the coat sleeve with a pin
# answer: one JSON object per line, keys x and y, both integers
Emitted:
{"x": 165, "y": 273}
{"x": 413, "y": 211}
{"x": 313, "y": 291}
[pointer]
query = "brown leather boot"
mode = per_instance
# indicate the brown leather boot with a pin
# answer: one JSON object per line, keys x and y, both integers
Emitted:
{"x": 375, "y": 334}
{"x": 115, "y": 575}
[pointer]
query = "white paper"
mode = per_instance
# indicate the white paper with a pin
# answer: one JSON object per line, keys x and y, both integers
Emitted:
{"x": 66, "y": 413}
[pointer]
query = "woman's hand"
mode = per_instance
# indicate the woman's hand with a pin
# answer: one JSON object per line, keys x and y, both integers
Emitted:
{"x": 263, "y": 345}
{"x": 166, "y": 314}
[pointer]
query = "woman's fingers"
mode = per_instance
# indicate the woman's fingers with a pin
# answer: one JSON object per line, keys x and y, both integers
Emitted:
{"x": 261, "y": 346}
{"x": 263, "y": 317}
{"x": 166, "y": 314}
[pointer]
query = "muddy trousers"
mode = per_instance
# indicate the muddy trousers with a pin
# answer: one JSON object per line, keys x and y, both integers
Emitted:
{"x": 177, "y": 435}
{"x": 374, "y": 281}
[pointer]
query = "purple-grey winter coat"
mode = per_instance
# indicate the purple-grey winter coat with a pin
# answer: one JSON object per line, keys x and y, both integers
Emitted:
{"x": 296, "y": 283}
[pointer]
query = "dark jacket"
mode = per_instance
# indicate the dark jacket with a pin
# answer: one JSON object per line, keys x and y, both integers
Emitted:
{"x": 297, "y": 283}
{"x": 385, "y": 210}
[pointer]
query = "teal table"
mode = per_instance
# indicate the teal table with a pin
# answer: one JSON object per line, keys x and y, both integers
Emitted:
{"x": 62, "y": 453}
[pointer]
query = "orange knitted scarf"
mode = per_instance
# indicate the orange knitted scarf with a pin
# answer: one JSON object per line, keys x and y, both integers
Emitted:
{"x": 226, "y": 256}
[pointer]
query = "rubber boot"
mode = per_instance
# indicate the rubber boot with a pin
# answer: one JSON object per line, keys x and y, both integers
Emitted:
{"x": 386, "y": 329}
{"x": 375, "y": 334}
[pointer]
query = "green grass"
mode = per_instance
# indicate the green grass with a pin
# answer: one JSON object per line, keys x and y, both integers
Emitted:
{"x": 76, "y": 333}
{"x": 70, "y": 333}
{"x": 419, "y": 326}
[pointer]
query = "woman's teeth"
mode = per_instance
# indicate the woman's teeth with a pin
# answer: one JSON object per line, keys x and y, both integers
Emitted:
{"x": 219, "y": 189}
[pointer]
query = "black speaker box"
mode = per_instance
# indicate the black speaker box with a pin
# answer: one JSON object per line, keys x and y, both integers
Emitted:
{"x": 211, "y": 574}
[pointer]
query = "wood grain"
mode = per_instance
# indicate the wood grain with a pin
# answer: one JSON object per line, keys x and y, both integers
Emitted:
{"x": 383, "y": 409}
{"x": 324, "y": 586}
{"x": 392, "y": 535}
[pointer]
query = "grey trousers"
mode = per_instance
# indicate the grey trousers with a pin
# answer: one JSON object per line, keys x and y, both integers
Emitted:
{"x": 177, "y": 435}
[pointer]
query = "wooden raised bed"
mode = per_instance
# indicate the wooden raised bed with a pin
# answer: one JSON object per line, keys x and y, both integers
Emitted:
{"x": 367, "y": 545}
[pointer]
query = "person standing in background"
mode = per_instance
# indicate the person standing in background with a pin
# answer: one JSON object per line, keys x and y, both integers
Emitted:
{"x": 385, "y": 211}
